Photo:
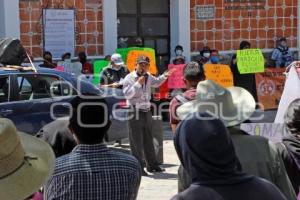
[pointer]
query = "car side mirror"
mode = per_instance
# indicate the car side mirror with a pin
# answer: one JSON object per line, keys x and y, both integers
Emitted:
{"x": 61, "y": 88}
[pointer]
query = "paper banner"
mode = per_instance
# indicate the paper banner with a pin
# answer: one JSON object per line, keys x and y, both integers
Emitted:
{"x": 124, "y": 52}
{"x": 175, "y": 81}
{"x": 291, "y": 92}
{"x": 273, "y": 131}
{"x": 132, "y": 58}
{"x": 269, "y": 87}
{"x": 220, "y": 74}
{"x": 98, "y": 67}
{"x": 250, "y": 61}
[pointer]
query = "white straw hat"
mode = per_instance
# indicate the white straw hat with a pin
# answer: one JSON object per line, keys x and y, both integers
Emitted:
{"x": 232, "y": 105}
{"x": 26, "y": 162}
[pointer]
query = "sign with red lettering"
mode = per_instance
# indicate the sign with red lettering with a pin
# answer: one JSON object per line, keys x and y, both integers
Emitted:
{"x": 175, "y": 81}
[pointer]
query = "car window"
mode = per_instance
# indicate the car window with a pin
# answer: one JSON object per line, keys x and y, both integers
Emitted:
{"x": 4, "y": 89}
{"x": 37, "y": 86}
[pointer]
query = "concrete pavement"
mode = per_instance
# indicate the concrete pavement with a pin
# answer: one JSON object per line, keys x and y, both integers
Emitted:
{"x": 162, "y": 186}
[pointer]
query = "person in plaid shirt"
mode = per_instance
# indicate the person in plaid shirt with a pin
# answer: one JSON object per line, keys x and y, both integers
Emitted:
{"x": 92, "y": 171}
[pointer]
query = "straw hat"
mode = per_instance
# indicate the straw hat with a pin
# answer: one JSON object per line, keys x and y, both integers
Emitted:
{"x": 26, "y": 162}
{"x": 232, "y": 105}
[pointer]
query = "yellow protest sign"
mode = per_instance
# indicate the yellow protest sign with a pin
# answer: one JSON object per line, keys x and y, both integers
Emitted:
{"x": 132, "y": 58}
{"x": 250, "y": 61}
{"x": 220, "y": 74}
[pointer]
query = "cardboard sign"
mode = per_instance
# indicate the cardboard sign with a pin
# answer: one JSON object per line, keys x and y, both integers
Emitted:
{"x": 132, "y": 58}
{"x": 124, "y": 52}
{"x": 269, "y": 87}
{"x": 98, "y": 67}
{"x": 250, "y": 61}
{"x": 220, "y": 74}
{"x": 175, "y": 81}
{"x": 291, "y": 92}
{"x": 273, "y": 131}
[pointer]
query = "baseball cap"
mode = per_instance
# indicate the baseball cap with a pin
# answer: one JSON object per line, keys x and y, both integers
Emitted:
{"x": 117, "y": 59}
{"x": 143, "y": 59}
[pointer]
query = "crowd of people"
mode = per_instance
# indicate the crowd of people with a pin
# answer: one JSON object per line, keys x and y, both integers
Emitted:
{"x": 218, "y": 159}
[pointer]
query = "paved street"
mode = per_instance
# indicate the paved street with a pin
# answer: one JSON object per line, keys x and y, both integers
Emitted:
{"x": 162, "y": 186}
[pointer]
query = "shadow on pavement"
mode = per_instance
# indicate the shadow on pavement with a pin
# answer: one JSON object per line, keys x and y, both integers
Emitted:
{"x": 163, "y": 175}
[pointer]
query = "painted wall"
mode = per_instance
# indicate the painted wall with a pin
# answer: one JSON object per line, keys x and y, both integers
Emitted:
{"x": 262, "y": 26}
{"x": 88, "y": 27}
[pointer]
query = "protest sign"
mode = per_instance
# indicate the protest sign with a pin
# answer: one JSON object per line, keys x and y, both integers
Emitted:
{"x": 175, "y": 81}
{"x": 250, "y": 61}
{"x": 220, "y": 74}
{"x": 124, "y": 52}
{"x": 269, "y": 87}
{"x": 98, "y": 67}
{"x": 291, "y": 92}
{"x": 132, "y": 58}
{"x": 273, "y": 131}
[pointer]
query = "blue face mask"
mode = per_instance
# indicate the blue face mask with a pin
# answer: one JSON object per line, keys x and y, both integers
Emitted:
{"x": 214, "y": 59}
{"x": 178, "y": 52}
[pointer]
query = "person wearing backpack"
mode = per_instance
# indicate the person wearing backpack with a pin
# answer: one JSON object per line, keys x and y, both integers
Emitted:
{"x": 282, "y": 56}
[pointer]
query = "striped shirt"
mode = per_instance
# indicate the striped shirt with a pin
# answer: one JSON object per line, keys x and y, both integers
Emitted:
{"x": 94, "y": 172}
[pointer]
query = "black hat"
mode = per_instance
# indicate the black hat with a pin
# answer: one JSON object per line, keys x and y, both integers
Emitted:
{"x": 12, "y": 52}
{"x": 143, "y": 59}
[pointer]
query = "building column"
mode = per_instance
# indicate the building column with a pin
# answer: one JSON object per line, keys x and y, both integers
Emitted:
{"x": 110, "y": 29}
{"x": 9, "y": 18}
{"x": 180, "y": 26}
{"x": 298, "y": 32}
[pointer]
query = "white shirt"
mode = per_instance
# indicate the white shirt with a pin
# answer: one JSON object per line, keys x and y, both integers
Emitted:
{"x": 138, "y": 95}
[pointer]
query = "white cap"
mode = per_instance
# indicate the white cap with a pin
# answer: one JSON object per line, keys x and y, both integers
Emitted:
{"x": 117, "y": 59}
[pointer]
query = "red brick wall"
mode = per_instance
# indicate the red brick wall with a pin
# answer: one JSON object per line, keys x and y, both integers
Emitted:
{"x": 261, "y": 27}
{"x": 89, "y": 24}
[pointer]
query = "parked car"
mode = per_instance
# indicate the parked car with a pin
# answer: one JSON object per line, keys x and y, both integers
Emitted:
{"x": 32, "y": 99}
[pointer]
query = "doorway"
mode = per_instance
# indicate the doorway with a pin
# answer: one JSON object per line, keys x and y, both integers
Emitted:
{"x": 145, "y": 23}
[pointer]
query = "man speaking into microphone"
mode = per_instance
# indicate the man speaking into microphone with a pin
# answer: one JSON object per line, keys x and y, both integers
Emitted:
{"x": 137, "y": 90}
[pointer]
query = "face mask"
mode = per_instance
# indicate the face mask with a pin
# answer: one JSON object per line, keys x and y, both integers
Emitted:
{"x": 117, "y": 68}
{"x": 67, "y": 60}
{"x": 206, "y": 55}
{"x": 178, "y": 52}
{"x": 283, "y": 44}
{"x": 214, "y": 59}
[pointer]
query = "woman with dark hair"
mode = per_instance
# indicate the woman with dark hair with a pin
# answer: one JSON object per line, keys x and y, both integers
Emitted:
{"x": 290, "y": 146}
{"x": 206, "y": 151}
{"x": 204, "y": 55}
{"x": 48, "y": 62}
{"x": 87, "y": 68}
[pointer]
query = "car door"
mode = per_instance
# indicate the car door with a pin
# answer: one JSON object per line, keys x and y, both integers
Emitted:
{"x": 6, "y": 93}
{"x": 32, "y": 107}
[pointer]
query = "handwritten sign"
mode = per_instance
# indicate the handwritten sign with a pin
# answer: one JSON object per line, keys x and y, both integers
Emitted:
{"x": 175, "y": 81}
{"x": 124, "y": 51}
{"x": 250, "y": 61}
{"x": 98, "y": 67}
{"x": 220, "y": 74}
{"x": 132, "y": 58}
{"x": 273, "y": 131}
{"x": 269, "y": 87}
